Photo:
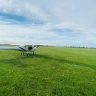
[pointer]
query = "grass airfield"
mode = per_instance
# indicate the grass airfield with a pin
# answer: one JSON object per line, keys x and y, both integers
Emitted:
{"x": 53, "y": 71}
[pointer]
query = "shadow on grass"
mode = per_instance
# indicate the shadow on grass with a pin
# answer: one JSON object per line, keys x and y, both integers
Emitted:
{"x": 18, "y": 63}
{"x": 14, "y": 62}
{"x": 66, "y": 61}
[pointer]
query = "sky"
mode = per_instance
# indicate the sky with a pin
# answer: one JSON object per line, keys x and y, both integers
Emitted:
{"x": 57, "y": 22}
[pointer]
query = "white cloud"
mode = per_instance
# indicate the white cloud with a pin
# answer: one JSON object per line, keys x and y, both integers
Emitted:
{"x": 55, "y": 14}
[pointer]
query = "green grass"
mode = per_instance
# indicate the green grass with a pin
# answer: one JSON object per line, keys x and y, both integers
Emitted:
{"x": 53, "y": 71}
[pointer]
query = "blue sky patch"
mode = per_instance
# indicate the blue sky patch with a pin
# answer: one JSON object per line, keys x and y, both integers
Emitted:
{"x": 13, "y": 17}
{"x": 69, "y": 32}
{"x": 64, "y": 30}
{"x": 19, "y": 19}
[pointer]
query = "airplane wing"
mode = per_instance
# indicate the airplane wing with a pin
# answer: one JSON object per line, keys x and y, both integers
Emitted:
{"x": 23, "y": 48}
{"x": 9, "y": 48}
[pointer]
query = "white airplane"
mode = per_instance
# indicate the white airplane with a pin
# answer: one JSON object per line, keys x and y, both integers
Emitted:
{"x": 23, "y": 48}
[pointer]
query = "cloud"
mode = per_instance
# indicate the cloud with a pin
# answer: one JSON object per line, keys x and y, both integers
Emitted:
{"x": 63, "y": 22}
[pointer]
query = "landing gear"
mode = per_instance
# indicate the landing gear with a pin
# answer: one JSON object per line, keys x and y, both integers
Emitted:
{"x": 22, "y": 53}
{"x": 34, "y": 53}
{"x": 28, "y": 54}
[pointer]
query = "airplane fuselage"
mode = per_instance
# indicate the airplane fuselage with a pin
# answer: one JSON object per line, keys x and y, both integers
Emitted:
{"x": 28, "y": 48}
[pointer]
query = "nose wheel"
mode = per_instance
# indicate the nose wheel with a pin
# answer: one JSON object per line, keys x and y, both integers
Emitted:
{"x": 34, "y": 53}
{"x": 28, "y": 54}
{"x": 22, "y": 53}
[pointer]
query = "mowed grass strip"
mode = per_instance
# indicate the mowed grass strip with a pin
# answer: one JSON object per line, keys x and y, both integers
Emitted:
{"x": 53, "y": 71}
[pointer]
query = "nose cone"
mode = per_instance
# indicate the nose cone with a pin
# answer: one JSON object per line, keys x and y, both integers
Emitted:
{"x": 30, "y": 47}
